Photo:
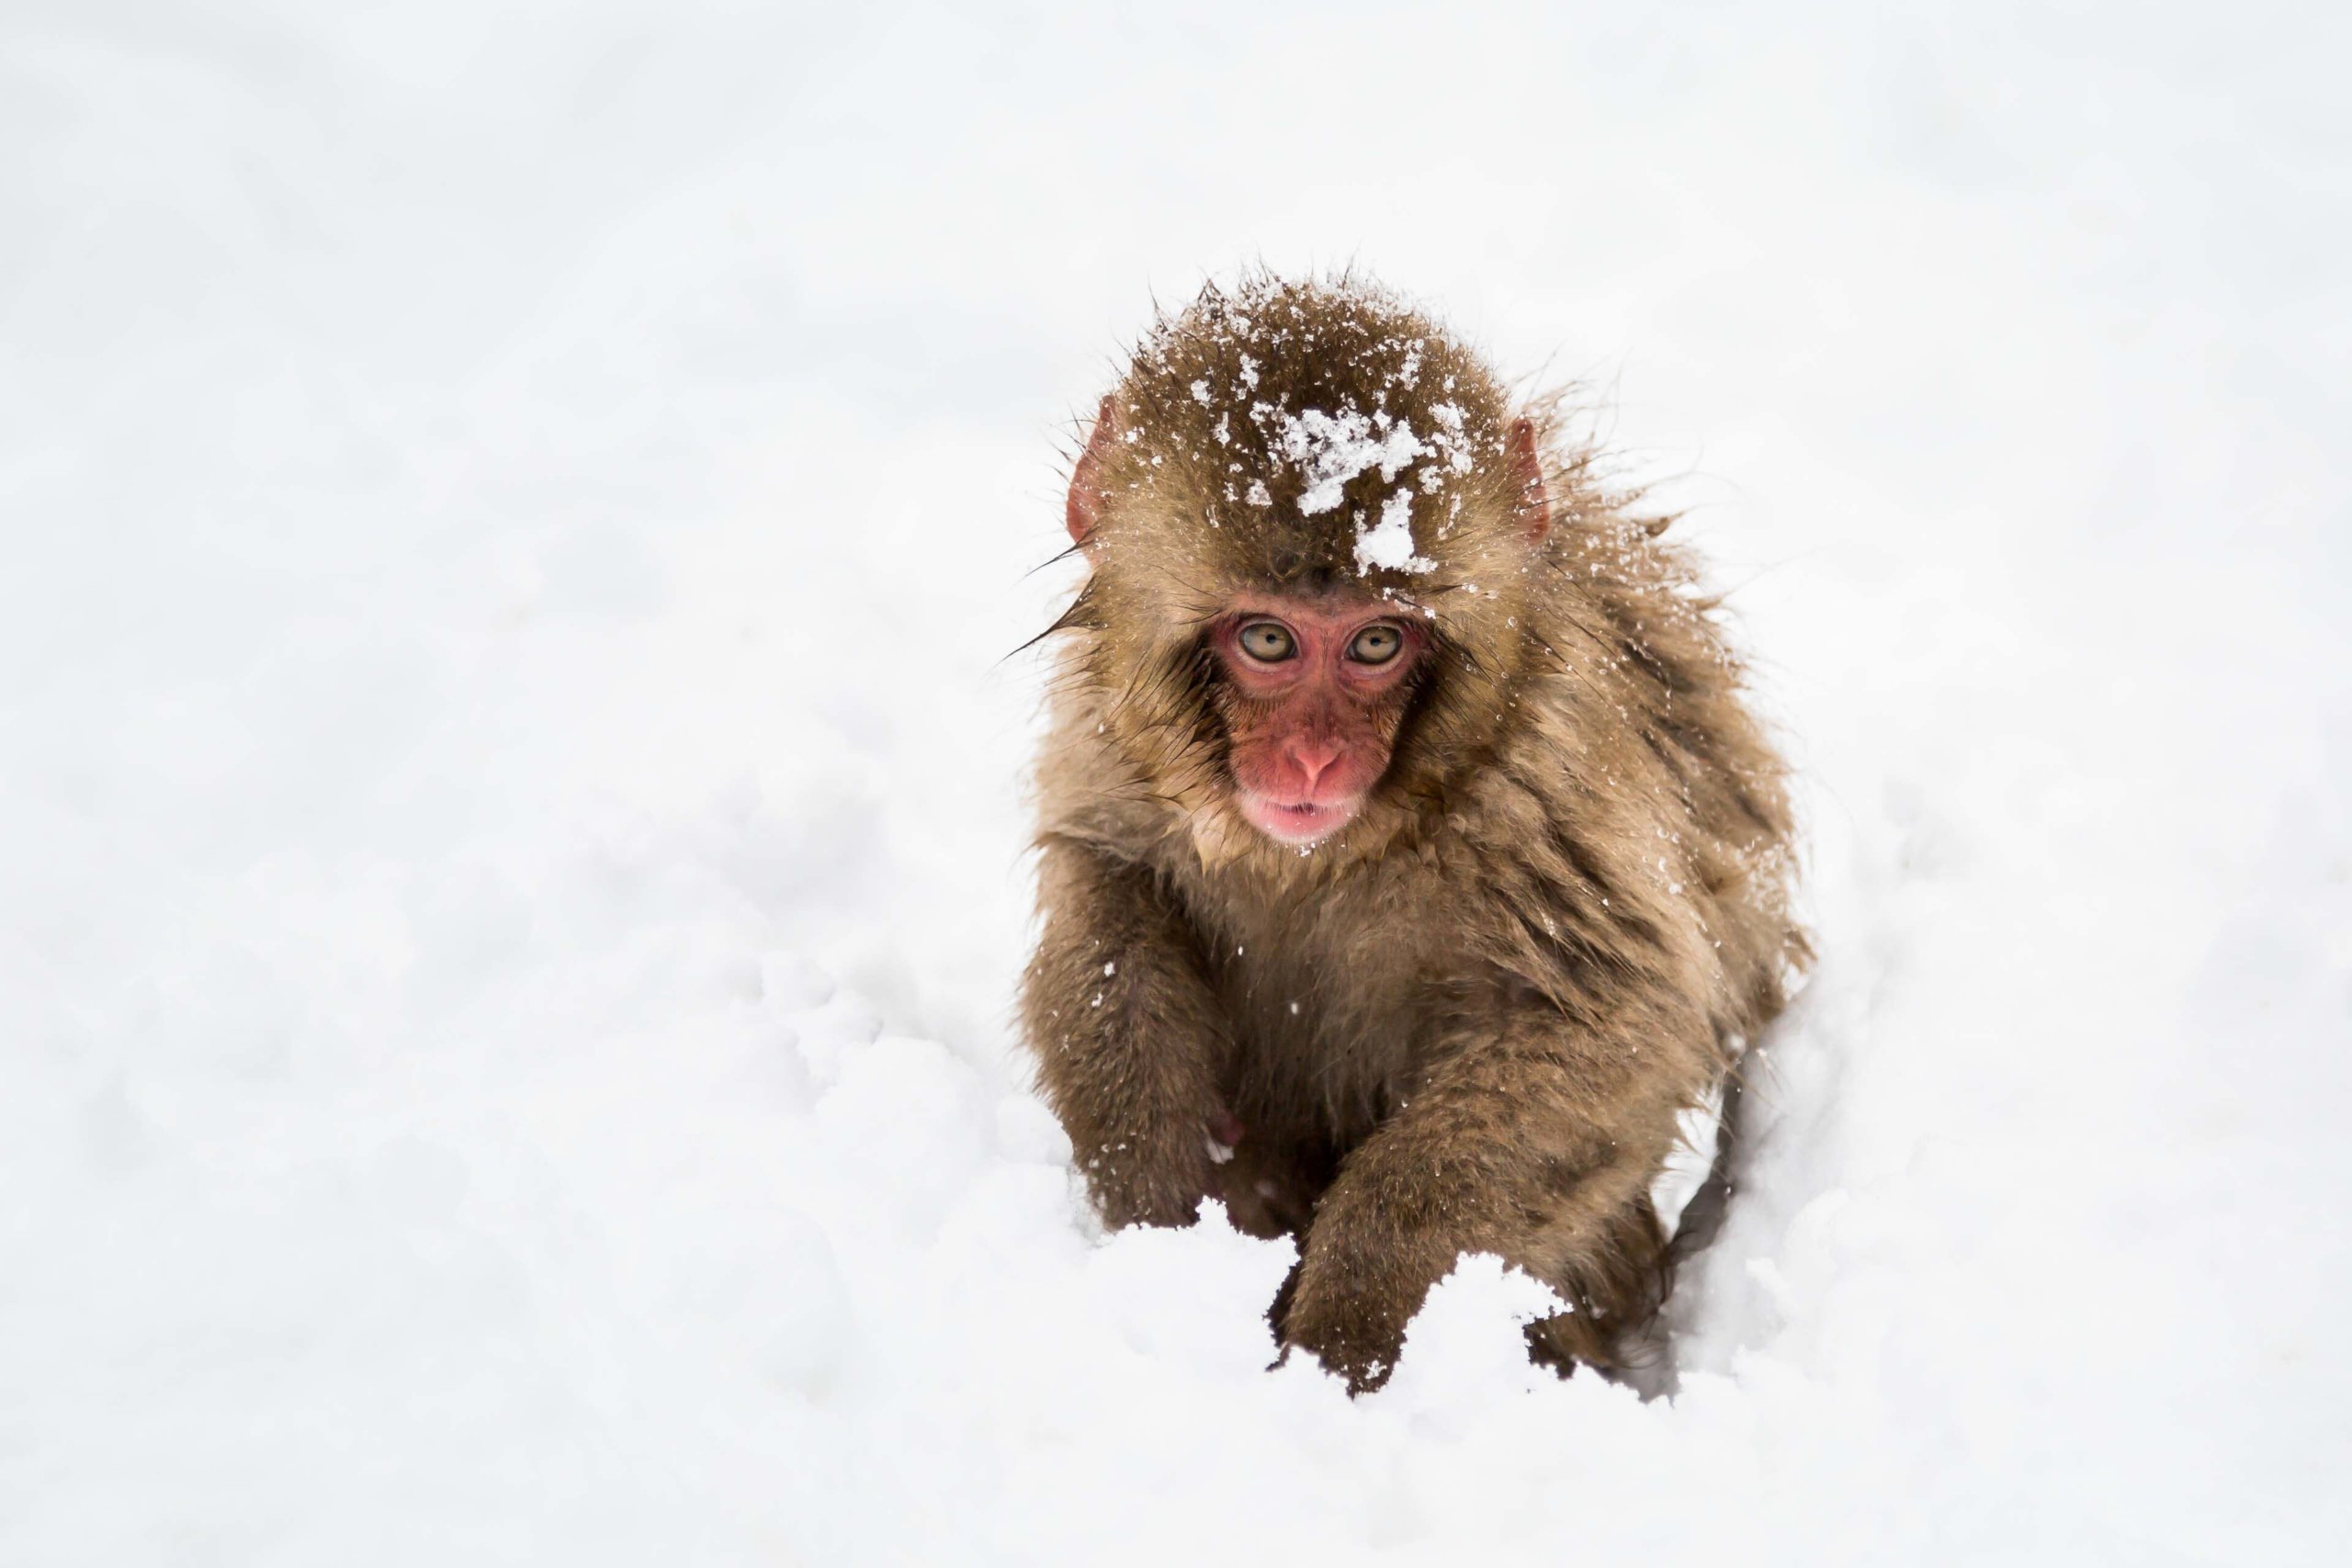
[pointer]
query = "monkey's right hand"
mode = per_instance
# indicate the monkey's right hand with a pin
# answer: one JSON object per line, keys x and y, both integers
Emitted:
{"x": 1128, "y": 1036}
{"x": 1146, "y": 1175}
{"x": 1159, "y": 1177}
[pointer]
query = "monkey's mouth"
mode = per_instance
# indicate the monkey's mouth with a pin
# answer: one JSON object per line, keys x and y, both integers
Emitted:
{"x": 1304, "y": 823}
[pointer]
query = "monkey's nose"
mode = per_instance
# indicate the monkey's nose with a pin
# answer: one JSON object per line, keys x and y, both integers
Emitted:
{"x": 1313, "y": 757}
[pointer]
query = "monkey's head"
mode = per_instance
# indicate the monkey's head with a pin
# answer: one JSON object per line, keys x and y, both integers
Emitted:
{"x": 1314, "y": 527}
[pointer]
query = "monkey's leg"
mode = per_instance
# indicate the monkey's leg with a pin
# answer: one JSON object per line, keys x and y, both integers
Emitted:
{"x": 1270, "y": 1184}
{"x": 1529, "y": 1140}
{"x": 1129, "y": 1037}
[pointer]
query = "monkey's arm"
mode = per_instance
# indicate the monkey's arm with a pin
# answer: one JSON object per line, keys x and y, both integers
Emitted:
{"x": 1127, "y": 1035}
{"x": 1530, "y": 1137}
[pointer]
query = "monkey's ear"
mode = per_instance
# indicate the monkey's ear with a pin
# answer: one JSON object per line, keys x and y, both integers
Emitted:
{"x": 1527, "y": 470}
{"x": 1085, "y": 507}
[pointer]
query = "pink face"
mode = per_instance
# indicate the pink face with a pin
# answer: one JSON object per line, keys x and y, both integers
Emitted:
{"x": 1317, "y": 689}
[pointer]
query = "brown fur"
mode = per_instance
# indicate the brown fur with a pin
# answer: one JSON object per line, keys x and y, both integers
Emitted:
{"x": 1468, "y": 1021}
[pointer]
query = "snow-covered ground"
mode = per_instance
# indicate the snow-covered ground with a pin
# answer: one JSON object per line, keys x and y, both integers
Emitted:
{"x": 511, "y": 873}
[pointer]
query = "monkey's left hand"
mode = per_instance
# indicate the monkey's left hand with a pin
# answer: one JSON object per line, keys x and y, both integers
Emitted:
{"x": 1499, "y": 1150}
{"x": 1359, "y": 1282}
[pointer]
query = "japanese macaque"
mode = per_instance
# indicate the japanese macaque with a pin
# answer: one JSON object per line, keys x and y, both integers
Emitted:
{"x": 1408, "y": 860}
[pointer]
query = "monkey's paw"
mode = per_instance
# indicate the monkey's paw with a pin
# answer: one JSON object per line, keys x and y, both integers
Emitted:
{"x": 1359, "y": 1282}
{"x": 1354, "y": 1345}
{"x": 1155, "y": 1181}
{"x": 1354, "y": 1328}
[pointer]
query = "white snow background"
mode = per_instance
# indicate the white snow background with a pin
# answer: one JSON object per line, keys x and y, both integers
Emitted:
{"x": 513, "y": 874}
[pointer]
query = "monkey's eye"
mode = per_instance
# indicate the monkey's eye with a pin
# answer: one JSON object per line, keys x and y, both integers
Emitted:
{"x": 1376, "y": 645}
{"x": 1268, "y": 641}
